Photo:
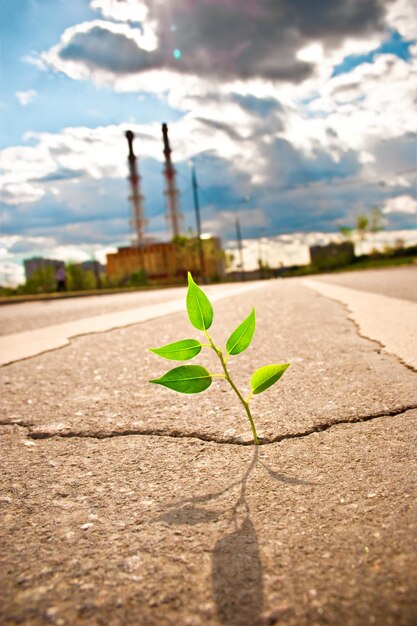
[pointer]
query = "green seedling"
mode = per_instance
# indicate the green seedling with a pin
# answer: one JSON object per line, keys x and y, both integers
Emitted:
{"x": 195, "y": 378}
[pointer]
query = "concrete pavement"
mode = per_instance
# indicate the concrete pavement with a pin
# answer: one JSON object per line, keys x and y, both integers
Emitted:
{"x": 394, "y": 282}
{"x": 92, "y": 315}
{"x": 390, "y": 321}
{"x": 129, "y": 504}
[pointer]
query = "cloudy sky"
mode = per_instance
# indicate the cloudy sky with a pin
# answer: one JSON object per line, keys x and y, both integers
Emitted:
{"x": 305, "y": 108}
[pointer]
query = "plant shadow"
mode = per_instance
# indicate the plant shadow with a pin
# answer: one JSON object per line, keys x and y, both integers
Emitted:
{"x": 236, "y": 572}
{"x": 189, "y": 515}
{"x": 237, "y": 577}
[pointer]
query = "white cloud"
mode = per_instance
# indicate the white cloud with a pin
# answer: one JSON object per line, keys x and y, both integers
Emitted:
{"x": 100, "y": 50}
{"x": 374, "y": 100}
{"x": 29, "y": 171}
{"x": 127, "y": 58}
{"x": 312, "y": 53}
{"x": 294, "y": 249}
{"x": 403, "y": 18}
{"x": 69, "y": 253}
{"x": 291, "y": 139}
{"x": 19, "y": 193}
{"x": 14, "y": 248}
{"x": 26, "y": 97}
{"x": 227, "y": 219}
{"x": 400, "y": 204}
{"x": 20, "y": 244}
{"x": 218, "y": 41}
{"x": 257, "y": 138}
{"x": 34, "y": 59}
{"x": 121, "y": 11}
{"x": 19, "y": 166}
{"x": 11, "y": 274}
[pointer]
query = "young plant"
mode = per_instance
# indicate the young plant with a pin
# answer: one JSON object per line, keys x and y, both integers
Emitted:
{"x": 195, "y": 378}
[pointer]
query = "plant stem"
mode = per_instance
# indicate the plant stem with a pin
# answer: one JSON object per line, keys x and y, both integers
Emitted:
{"x": 249, "y": 397}
{"x": 235, "y": 389}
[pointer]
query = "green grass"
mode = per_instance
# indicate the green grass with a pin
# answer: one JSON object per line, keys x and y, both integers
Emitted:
{"x": 362, "y": 263}
{"x": 370, "y": 263}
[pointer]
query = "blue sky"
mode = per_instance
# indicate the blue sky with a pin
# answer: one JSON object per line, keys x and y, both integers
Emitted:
{"x": 307, "y": 110}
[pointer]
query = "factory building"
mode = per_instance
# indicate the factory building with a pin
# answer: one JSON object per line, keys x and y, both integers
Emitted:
{"x": 168, "y": 261}
{"x": 164, "y": 261}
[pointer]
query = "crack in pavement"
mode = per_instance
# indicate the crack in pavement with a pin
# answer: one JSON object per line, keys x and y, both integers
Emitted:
{"x": 353, "y": 420}
{"x": 175, "y": 434}
{"x": 243, "y": 440}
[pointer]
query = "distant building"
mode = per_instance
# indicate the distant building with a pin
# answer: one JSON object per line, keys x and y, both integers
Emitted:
{"x": 168, "y": 260}
{"x": 39, "y": 263}
{"x": 91, "y": 266}
{"x": 332, "y": 255}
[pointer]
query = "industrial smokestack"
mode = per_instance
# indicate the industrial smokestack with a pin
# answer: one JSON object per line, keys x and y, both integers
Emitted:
{"x": 136, "y": 198}
{"x": 171, "y": 190}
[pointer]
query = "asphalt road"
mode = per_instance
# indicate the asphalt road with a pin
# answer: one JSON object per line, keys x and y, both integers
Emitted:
{"x": 382, "y": 303}
{"x": 395, "y": 282}
{"x": 15, "y": 318}
{"x": 25, "y": 316}
{"x": 37, "y": 329}
{"x": 129, "y": 505}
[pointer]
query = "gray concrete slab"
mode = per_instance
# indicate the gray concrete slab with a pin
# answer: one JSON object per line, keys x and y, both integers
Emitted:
{"x": 151, "y": 531}
{"x": 98, "y": 385}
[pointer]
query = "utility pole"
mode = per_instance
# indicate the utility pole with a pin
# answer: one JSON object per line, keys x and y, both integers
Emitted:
{"x": 136, "y": 198}
{"x": 239, "y": 238}
{"x": 198, "y": 221}
{"x": 239, "y": 245}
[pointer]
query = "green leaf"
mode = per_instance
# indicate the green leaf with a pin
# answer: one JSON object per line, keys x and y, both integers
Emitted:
{"x": 186, "y": 379}
{"x": 179, "y": 350}
{"x": 240, "y": 338}
{"x": 199, "y": 308}
{"x": 266, "y": 376}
